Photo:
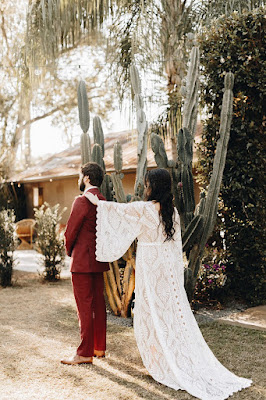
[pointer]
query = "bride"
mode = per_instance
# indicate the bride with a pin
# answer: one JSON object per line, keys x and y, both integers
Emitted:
{"x": 170, "y": 342}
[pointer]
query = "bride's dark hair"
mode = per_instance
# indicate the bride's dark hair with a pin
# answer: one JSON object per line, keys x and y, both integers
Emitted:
{"x": 159, "y": 182}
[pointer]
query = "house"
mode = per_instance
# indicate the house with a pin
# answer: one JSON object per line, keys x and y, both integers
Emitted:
{"x": 55, "y": 180}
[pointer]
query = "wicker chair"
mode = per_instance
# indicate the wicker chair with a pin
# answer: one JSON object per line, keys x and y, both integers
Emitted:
{"x": 24, "y": 231}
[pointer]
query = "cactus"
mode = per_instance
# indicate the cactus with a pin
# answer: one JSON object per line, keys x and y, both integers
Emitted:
{"x": 117, "y": 176}
{"x": 208, "y": 206}
{"x": 142, "y": 128}
{"x": 98, "y": 136}
{"x": 192, "y": 96}
{"x": 160, "y": 155}
{"x": 197, "y": 225}
{"x": 97, "y": 155}
{"x": 84, "y": 121}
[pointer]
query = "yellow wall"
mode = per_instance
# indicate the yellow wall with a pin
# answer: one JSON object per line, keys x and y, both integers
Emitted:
{"x": 61, "y": 191}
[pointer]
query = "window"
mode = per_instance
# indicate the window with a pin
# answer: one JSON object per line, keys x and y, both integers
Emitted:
{"x": 37, "y": 196}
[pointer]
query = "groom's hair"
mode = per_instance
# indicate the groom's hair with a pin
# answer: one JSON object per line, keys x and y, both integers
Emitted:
{"x": 94, "y": 172}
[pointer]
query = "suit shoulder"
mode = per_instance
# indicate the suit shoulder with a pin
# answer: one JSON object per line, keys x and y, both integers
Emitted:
{"x": 80, "y": 199}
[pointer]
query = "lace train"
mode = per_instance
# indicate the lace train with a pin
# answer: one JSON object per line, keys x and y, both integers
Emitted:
{"x": 168, "y": 337}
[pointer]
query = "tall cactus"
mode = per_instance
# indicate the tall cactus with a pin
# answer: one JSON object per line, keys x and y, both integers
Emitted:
{"x": 191, "y": 93}
{"x": 97, "y": 156}
{"x": 97, "y": 152}
{"x": 122, "y": 303}
{"x": 197, "y": 225}
{"x": 208, "y": 207}
{"x": 84, "y": 120}
{"x": 142, "y": 128}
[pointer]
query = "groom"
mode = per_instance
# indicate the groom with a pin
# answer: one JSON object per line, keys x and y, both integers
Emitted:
{"x": 87, "y": 272}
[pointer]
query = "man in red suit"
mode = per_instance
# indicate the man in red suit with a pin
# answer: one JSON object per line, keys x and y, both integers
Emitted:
{"x": 87, "y": 272}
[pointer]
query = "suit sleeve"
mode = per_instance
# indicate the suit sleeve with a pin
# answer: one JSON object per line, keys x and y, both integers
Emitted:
{"x": 74, "y": 223}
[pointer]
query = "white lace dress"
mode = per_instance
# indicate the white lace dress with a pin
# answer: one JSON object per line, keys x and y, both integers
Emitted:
{"x": 169, "y": 340}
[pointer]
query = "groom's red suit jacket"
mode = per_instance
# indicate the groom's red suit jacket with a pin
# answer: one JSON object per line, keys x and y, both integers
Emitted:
{"x": 80, "y": 236}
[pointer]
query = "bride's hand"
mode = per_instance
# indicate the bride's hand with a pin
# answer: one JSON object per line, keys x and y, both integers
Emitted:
{"x": 92, "y": 197}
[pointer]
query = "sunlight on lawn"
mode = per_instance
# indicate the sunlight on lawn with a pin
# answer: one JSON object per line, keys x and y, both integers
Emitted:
{"x": 39, "y": 327}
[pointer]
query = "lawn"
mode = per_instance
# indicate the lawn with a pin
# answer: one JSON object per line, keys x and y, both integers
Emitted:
{"x": 38, "y": 327}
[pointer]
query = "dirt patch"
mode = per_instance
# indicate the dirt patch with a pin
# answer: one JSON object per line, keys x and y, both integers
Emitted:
{"x": 38, "y": 327}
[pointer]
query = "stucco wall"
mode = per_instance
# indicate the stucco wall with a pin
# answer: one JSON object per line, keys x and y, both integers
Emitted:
{"x": 61, "y": 191}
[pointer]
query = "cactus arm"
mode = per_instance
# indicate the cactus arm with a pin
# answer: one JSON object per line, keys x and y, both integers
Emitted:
{"x": 118, "y": 188}
{"x": 85, "y": 145}
{"x": 209, "y": 206}
{"x": 83, "y": 107}
{"x": 142, "y": 128}
{"x": 185, "y": 155}
{"x": 193, "y": 232}
{"x": 118, "y": 158}
{"x": 158, "y": 148}
{"x": 98, "y": 132}
{"x": 190, "y": 105}
{"x": 135, "y": 79}
{"x": 186, "y": 136}
{"x": 219, "y": 158}
{"x": 97, "y": 155}
{"x": 117, "y": 176}
{"x": 142, "y": 165}
{"x": 84, "y": 120}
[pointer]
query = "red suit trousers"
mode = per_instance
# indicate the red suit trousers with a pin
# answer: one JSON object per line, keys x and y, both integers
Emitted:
{"x": 88, "y": 291}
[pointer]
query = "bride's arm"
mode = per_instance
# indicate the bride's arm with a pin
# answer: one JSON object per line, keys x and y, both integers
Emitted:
{"x": 93, "y": 198}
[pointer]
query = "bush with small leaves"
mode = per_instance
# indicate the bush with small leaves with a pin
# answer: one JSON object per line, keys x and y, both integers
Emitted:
{"x": 237, "y": 44}
{"x": 50, "y": 240}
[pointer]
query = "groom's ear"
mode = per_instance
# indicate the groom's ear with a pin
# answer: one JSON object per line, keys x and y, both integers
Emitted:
{"x": 86, "y": 178}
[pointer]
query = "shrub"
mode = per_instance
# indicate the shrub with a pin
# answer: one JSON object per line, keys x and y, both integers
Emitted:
{"x": 237, "y": 44}
{"x": 49, "y": 241}
{"x": 7, "y": 246}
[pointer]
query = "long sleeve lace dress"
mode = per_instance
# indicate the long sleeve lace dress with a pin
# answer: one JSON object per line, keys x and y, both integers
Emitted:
{"x": 169, "y": 340}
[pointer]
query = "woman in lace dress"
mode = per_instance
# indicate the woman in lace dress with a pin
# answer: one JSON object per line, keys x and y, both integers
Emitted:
{"x": 169, "y": 340}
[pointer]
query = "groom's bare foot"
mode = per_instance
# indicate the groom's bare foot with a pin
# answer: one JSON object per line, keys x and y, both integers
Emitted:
{"x": 99, "y": 353}
{"x": 77, "y": 360}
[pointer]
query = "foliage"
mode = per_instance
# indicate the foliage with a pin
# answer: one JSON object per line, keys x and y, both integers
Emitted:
{"x": 30, "y": 92}
{"x": 237, "y": 44}
{"x": 49, "y": 240}
{"x": 7, "y": 246}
